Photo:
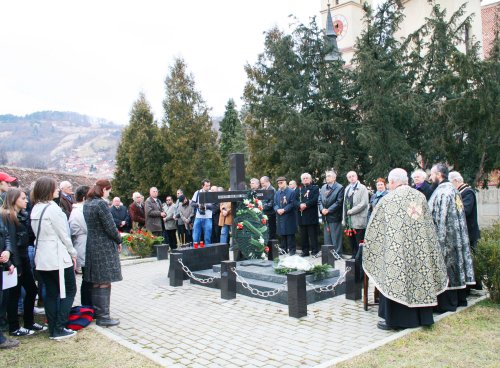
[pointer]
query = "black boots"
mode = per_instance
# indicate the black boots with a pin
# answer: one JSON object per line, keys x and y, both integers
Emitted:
{"x": 100, "y": 299}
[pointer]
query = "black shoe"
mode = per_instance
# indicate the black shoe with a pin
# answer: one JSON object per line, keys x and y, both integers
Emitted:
{"x": 21, "y": 331}
{"x": 314, "y": 254}
{"x": 304, "y": 255}
{"x": 383, "y": 326}
{"x": 64, "y": 333}
{"x": 292, "y": 253}
{"x": 9, "y": 344}
{"x": 38, "y": 327}
{"x": 107, "y": 322}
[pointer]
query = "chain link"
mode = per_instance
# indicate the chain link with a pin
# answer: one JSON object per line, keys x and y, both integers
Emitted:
{"x": 253, "y": 291}
{"x": 282, "y": 251}
{"x": 190, "y": 274}
{"x": 331, "y": 287}
{"x": 317, "y": 255}
{"x": 335, "y": 255}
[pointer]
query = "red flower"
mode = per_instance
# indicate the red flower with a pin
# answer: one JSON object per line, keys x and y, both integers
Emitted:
{"x": 250, "y": 205}
{"x": 129, "y": 238}
{"x": 239, "y": 226}
{"x": 260, "y": 208}
{"x": 266, "y": 249}
{"x": 263, "y": 221}
{"x": 256, "y": 201}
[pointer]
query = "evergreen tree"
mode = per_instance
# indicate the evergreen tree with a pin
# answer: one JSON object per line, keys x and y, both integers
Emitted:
{"x": 297, "y": 109}
{"x": 187, "y": 134}
{"x": 140, "y": 154}
{"x": 459, "y": 98}
{"x": 383, "y": 101}
{"x": 232, "y": 137}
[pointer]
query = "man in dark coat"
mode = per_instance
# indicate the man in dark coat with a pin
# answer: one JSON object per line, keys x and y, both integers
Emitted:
{"x": 268, "y": 206}
{"x": 308, "y": 215}
{"x": 419, "y": 183}
{"x": 120, "y": 215}
{"x": 470, "y": 207}
{"x": 331, "y": 199}
{"x": 285, "y": 207}
{"x": 66, "y": 197}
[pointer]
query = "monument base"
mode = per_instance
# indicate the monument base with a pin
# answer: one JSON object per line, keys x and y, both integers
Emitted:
{"x": 260, "y": 275}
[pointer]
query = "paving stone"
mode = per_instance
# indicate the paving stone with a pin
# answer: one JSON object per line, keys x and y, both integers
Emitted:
{"x": 194, "y": 327}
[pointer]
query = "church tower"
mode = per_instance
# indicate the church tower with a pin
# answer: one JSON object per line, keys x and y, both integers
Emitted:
{"x": 347, "y": 17}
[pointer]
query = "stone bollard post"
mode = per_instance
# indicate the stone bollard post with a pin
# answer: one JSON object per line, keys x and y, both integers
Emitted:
{"x": 353, "y": 284}
{"x": 326, "y": 255}
{"x": 274, "y": 250}
{"x": 175, "y": 273}
{"x": 297, "y": 297}
{"x": 227, "y": 280}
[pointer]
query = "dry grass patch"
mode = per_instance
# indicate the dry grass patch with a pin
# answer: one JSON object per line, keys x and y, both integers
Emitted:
{"x": 467, "y": 339}
{"x": 88, "y": 349}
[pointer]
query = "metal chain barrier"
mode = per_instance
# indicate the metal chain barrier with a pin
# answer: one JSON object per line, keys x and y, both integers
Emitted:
{"x": 335, "y": 255}
{"x": 282, "y": 251}
{"x": 331, "y": 287}
{"x": 317, "y": 255}
{"x": 253, "y": 291}
{"x": 190, "y": 274}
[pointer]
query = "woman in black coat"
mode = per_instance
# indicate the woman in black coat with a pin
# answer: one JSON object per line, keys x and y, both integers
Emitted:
{"x": 102, "y": 260}
{"x": 15, "y": 216}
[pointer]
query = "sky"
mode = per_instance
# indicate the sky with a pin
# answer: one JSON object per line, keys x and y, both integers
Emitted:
{"x": 94, "y": 57}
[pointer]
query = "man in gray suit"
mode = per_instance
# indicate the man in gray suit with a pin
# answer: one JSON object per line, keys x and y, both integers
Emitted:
{"x": 331, "y": 199}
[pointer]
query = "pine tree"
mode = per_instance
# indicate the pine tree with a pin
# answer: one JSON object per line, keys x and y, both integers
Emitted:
{"x": 297, "y": 109}
{"x": 187, "y": 134}
{"x": 140, "y": 154}
{"x": 383, "y": 101}
{"x": 232, "y": 137}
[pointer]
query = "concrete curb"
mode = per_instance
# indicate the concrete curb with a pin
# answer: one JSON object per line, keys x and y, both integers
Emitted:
{"x": 395, "y": 336}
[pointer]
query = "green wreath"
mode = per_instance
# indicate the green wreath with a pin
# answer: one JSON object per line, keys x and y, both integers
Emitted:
{"x": 251, "y": 233}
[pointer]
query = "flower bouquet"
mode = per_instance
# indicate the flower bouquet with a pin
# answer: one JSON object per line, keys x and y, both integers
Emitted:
{"x": 140, "y": 242}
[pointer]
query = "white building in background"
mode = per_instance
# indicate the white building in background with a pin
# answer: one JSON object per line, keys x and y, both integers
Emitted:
{"x": 348, "y": 19}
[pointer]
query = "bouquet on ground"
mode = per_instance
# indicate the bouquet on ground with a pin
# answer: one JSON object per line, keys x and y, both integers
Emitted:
{"x": 251, "y": 228}
{"x": 141, "y": 242}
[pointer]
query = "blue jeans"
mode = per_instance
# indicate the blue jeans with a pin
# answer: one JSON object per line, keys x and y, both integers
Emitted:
{"x": 206, "y": 224}
{"x": 224, "y": 234}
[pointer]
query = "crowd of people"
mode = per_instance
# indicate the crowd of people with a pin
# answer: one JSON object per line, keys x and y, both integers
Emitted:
{"x": 415, "y": 242}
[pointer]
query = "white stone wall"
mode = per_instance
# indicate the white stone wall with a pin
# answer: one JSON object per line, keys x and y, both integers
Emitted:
{"x": 488, "y": 206}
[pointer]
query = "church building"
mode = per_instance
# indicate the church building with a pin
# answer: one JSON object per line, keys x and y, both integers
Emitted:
{"x": 347, "y": 17}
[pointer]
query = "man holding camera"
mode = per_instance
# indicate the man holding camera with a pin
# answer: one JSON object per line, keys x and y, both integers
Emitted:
{"x": 203, "y": 218}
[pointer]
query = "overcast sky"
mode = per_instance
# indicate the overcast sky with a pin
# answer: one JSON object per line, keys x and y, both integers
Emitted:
{"x": 94, "y": 57}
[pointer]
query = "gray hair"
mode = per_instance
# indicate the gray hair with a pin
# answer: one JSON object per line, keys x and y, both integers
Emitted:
{"x": 399, "y": 176}
{"x": 305, "y": 175}
{"x": 255, "y": 180}
{"x": 332, "y": 172}
{"x": 455, "y": 175}
{"x": 136, "y": 195}
{"x": 419, "y": 172}
{"x": 64, "y": 184}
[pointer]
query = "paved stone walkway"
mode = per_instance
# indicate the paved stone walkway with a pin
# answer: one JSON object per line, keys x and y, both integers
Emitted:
{"x": 191, "y": 326}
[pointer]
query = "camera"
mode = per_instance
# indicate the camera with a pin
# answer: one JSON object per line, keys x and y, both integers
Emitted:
{"x": 202, "y": 209}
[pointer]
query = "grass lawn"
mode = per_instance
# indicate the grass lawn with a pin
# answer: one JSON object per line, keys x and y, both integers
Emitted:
{"x": 467, "y": 339}
{"x": 87, "y": 349}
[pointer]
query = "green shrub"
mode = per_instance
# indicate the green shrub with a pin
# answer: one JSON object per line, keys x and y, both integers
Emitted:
{"x": 487, "y": 260}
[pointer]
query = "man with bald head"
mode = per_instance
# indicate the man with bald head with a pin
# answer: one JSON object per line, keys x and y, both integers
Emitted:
{"x": 154, "y": 213}
{"x": 308, "y": 215}
{"x": 120, "y": 215}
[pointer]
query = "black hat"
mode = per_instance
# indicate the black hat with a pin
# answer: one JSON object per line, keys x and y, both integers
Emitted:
{"x": 280, "y": 178}
{"x": 181, "y": 198}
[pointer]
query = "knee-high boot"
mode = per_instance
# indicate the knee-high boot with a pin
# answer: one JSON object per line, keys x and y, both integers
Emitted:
{"x": 101, "y": 298}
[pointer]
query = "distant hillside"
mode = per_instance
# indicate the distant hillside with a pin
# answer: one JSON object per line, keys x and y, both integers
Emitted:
{"x": 60, "y": 141}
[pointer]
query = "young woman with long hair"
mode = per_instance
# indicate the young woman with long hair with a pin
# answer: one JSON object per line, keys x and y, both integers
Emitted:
{"x": 55, "y": 257}
{"x": 102, "y": 259}
{"x": 15, "y": 216}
